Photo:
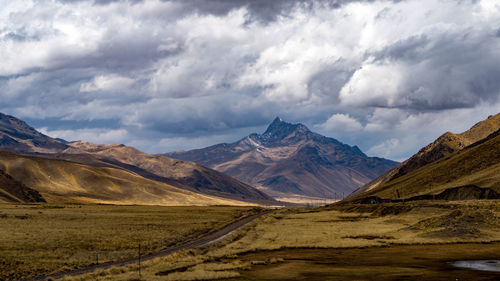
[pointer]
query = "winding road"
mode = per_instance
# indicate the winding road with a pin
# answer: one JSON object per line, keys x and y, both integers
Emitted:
{"x": 206, "y": 240}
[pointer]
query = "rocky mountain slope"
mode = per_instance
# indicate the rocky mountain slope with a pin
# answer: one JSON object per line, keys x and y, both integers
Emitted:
{"x": 288, "y": 160}
{"x": 25, "y": 143}
{"x": 16, "y": 135}
{"x": 443, "y": 146}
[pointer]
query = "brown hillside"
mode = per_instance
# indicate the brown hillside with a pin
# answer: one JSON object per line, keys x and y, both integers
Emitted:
{"x": 476, "y": 166}
{"x": 64, "y": 181}
{"x": 445, "y": 145}
{"x": 186, "y": 175}
{"x": 16, "y": 192}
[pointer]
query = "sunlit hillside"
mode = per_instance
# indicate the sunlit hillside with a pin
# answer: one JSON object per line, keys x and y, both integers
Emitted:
{"x": 477, "y": 165}
{"x": 445, "y": 145}
{"x": 65, "y": 181}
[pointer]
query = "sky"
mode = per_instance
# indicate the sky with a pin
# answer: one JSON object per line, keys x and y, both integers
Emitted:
{"x": 388, "y": 76}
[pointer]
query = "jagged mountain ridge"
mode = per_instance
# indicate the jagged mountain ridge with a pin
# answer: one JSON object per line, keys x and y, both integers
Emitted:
{"x": 290, "y": 160}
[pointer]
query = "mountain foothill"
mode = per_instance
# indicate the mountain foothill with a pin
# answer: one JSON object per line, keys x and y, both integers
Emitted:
{"x": 453, "y": 167}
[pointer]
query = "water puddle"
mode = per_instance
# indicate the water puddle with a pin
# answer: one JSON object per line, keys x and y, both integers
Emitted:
{"x": 484, "y": 265}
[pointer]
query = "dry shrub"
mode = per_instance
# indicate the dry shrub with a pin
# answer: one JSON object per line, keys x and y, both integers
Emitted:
{"x": 458, "y": 223}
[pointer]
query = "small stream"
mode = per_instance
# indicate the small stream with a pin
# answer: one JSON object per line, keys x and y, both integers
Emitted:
{"x": 484, "y": 265}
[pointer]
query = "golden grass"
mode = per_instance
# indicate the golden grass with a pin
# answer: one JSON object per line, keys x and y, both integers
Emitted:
{"x": 64, "y": 181}
{"x": 443, "y": 147}
{"x": 44, "y": 238}
{"x": 349, "y": 226}
{"x": 478, "y": 165}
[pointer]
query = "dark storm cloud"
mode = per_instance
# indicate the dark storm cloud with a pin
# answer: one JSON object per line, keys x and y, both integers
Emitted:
{"x": 261, "y": 10}
{"x": 135, "y": 51}
{"x": 328, "y": 82}
{"x": 101, "y": 2}
{"x": 203, "y": 114}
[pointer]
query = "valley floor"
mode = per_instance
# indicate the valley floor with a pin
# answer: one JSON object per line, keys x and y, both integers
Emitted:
{"x": 38, "y": 239}
{"x": 411, "y": 241}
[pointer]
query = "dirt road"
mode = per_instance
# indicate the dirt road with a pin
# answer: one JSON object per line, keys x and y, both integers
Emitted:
{"x": 198, "y": 243}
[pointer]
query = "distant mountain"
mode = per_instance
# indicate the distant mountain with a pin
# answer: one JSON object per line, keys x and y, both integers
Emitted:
{"x": 288, "y": 160}
{"x": 470, "y": 173}
{"x": 18, "y": 137}
{"x": 443, "y": 146}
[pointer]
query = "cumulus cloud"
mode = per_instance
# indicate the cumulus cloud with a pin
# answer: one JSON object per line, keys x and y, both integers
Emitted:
{"x": 106, "y": 82}
{"x": 341, "y": 122}
{"x": 383, "y": 149}
{"x": 182, "y": 70}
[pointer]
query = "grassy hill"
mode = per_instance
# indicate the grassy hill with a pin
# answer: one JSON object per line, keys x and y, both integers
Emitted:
{"x": 16, "y": 192}
{"x": 443, "y": 146}
{"x": 65, "y": 181}
{"x": 476, "y": 165}
{"x": 178, "y": 173}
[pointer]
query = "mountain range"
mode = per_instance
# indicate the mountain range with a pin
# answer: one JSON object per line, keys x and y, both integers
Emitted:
{"x": 289, "y": 161}
{"x": 465, "y": 161}
{"x": 286, "y": 162}
{"x": 86, "y": 172}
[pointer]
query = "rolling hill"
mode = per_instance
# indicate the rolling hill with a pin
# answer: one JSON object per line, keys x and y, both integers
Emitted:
{"x": 445, "y": 145}
{"x": 60, "y": 181}
{"x": 289, "y": 161}
{"x": 187, "y": 175}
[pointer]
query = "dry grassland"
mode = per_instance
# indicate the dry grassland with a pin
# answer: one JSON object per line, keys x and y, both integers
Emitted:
{"x": 42, "y": 238}
{"x": 346, "y": 227}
